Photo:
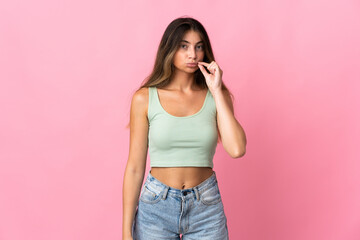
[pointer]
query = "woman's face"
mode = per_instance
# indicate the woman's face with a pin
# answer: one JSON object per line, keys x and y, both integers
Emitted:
{"x": 190, "y": 50}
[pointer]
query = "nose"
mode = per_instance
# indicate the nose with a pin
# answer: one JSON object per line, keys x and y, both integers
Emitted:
{"x": 192, "y": 52}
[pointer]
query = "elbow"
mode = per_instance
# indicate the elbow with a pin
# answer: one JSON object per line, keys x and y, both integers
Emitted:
{"x": 238, "y": 153}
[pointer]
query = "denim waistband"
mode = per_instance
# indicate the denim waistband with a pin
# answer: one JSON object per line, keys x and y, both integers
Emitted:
{"x": 159, "y": 186}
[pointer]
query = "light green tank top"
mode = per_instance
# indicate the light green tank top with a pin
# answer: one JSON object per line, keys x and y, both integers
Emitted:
{"x": 181, "y": 141}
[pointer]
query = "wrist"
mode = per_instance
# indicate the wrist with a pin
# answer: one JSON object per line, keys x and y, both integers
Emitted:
{"x": 217, "y": 92}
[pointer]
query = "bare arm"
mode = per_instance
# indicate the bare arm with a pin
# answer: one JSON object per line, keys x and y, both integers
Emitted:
{"x": 232, "y": 135}
{"x": 230, "y": 132}
{"x": 136, "y": 164}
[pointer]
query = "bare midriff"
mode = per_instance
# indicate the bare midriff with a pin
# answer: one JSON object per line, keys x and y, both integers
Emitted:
{"x": 181, "y": 177}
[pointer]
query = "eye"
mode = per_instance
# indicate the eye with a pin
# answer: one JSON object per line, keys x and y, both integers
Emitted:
{"x": 182, "y": 45}
{"x": 201, "y": 47}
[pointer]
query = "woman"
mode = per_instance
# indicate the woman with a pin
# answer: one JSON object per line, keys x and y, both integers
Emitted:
{"x": 180, "y": 114}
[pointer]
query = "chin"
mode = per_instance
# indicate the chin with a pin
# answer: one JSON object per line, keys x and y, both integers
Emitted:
{"x": 191, "y": 69}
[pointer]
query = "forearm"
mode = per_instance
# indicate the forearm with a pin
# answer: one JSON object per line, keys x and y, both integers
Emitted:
{"x": 131, "y": 190}
{"x": 232, "y": 134}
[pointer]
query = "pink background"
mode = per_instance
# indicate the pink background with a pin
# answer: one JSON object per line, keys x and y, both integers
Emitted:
{"x": 68, "y": 70}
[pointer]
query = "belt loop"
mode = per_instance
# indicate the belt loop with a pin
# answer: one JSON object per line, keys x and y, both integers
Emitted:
{"x": 165, "y": 192}
{"x": 196, "y": 193}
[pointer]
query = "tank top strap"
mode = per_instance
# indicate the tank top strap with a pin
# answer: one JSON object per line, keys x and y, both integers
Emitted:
{"x": 153, "y": 106}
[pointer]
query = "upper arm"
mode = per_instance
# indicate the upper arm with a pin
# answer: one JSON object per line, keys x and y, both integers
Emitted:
{"x": 230, "y": 103}
{"x": 139, "y": 126}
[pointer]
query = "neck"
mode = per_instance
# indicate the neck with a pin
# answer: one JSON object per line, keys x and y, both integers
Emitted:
{"x": 182, "y": 81}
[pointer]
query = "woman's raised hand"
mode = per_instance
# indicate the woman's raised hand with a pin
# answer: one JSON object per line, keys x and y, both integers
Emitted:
{"x": 214, "y": 78}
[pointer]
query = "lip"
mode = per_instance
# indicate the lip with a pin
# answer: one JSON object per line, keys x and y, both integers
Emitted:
{"x": 191, "y": 64}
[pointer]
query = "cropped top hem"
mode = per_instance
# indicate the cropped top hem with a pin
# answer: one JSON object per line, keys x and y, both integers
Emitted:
{"x": 181, "y": 165}
{"x": 188, "y": 163}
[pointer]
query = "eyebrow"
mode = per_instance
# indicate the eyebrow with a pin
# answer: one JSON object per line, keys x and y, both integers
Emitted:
{"x": 189, "y": 42}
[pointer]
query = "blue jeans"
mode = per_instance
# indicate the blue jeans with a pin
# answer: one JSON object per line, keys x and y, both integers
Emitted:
{"x": 164, "y": 212}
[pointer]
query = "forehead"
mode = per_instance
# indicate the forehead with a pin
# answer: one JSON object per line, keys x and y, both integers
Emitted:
{"x": 191, "y": 37}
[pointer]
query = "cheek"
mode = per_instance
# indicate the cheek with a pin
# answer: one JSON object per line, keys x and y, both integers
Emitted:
{"x": 201, "y": 55}
{"x": 178, "y": 59}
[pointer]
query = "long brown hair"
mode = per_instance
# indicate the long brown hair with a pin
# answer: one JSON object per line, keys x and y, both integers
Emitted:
{"x": 169, "y": 44}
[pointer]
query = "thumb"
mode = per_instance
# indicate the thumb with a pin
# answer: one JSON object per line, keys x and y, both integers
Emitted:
{"x": 202, "y": 69}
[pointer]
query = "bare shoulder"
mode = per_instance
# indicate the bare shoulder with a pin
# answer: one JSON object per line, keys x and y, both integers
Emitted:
{"x": 138, "y": 130}
{"x": 140, "y": 101}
